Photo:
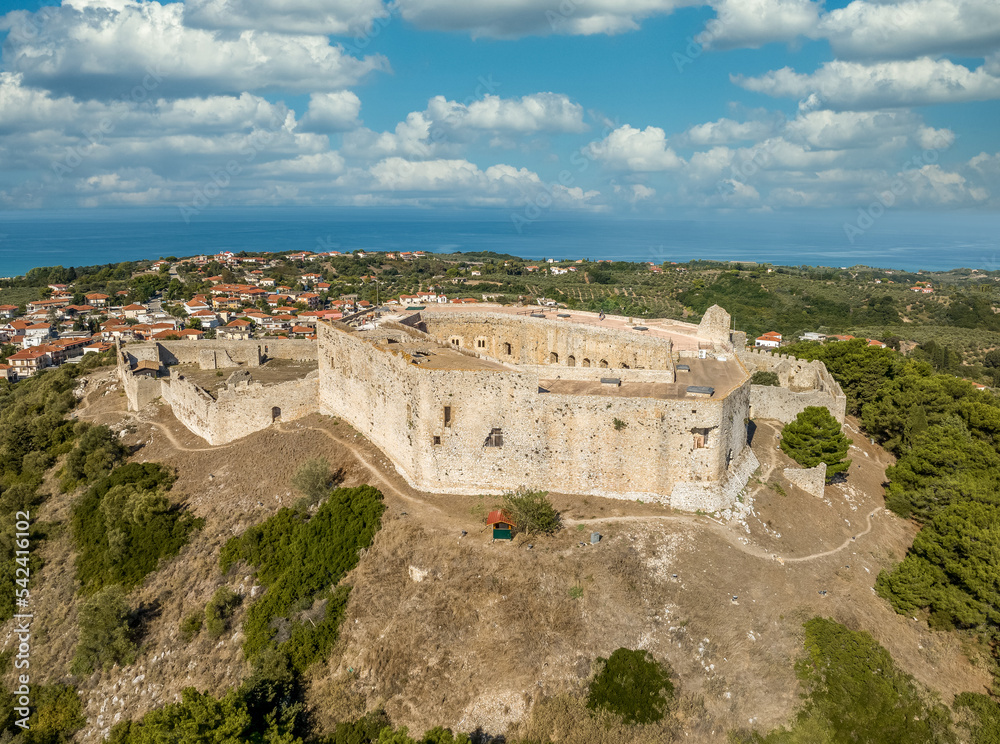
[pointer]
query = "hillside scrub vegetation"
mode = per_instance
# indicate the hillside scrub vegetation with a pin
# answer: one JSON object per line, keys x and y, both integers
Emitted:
{"x": 855, "y": 694}
{"x": 532, "y": 512}
{"x": 298, "y": 558}
{"x": 106, "y": 632}
{"x": 632, "y": 685}
{"x": 34, "y": 432}
{"x": 815, "y": 437}
{"x": 946, "y": 436}
{"x": 124, "y": 524}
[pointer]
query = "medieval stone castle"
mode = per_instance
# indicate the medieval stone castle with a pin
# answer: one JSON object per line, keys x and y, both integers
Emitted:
{"x": 485, "y": 401}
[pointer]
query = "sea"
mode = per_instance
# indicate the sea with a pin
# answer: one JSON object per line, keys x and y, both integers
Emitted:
{"x": 894, "y": 240}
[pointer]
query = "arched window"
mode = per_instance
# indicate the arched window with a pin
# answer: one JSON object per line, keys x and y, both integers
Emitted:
{"x": 603, "y": 364}
{"x": 571, "y": 361}
{"x": 586, "y": 362}
{"x": 275, "y": 413}
{"x": 553, "y": 358}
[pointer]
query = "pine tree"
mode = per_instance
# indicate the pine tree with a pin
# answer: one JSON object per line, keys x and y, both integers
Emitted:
{"x": 814, "y": 437}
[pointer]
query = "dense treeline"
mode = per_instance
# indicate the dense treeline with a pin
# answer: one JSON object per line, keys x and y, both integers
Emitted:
{"x": 946, "y": 436}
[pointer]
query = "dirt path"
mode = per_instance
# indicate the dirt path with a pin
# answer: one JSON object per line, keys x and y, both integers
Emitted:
{"x": 728, "y": 535}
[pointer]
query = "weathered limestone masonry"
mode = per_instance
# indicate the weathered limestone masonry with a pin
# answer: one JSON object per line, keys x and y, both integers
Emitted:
{"x": 810, "y": 480}
{"x": 239, "y": 409}
{"x": 527, "y": 340}
{"x": 492, "y": 403}
{"x": 803, "y": 384}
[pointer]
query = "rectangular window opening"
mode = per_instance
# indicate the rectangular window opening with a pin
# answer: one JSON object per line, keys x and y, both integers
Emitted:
{"x": 447, "y": 415}
{"x": 495, "y": 439}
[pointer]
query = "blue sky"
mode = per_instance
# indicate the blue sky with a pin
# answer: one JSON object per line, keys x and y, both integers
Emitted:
{"x": 618, "y": 107}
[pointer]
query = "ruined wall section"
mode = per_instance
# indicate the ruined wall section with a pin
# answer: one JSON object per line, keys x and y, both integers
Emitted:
{"x": 241, "y": 409}
{"x": 216, "y": 354}
{"x": 534, "y": 341}
{"x": 140, "y": 391}
{"x": 803, "y": 384}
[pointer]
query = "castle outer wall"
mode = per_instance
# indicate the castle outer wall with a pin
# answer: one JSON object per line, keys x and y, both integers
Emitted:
{"x": 605, "y": 445}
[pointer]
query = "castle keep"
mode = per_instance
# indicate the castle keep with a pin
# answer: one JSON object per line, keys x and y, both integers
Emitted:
{"x": 485, "y": 401}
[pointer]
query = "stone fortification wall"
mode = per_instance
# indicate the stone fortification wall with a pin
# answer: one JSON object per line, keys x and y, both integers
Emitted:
{"x": 522, "y": 339}
{"x": 439, "y": 426}
{"x": 140, "y": 391}
{"x": 239, "y": 409}
{"x": 802, "y": 383}
{"x": 214, "y": 354}
{"x": 810, "y": 480}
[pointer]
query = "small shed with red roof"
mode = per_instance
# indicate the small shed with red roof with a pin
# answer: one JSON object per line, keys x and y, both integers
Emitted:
{"x": 502, "y": 524}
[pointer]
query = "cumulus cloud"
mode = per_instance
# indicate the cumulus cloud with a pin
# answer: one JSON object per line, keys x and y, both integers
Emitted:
{"x": 516, "y": 18}
{"x": 844, "y": 85}
{"x": 105, "y": 50}
{"x": 637, "y": 150}
{"x": 725, "y": 131}
{"x": 444, "y": 126}
{"x": 913, "y": 28}
{"x": 286, "y": 16}
{"x": 332, "y": 112}
{"x": 852, "y": 130}
{"x": 753, "y": 23}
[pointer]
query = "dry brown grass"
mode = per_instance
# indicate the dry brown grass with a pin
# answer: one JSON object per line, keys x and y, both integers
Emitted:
{"x": 492, "y": 637}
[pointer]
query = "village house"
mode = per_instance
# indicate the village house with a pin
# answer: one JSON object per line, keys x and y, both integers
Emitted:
{"x": 8, "y": 311}
{"x": 236, "y": 330}
{"x": 769, "y": 340}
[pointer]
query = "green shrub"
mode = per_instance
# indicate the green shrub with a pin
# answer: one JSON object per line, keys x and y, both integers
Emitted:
{"x": 632, "y": 685}
{"x": 855, "y": 693}
{"x": 984, "y": 727}
{"x": 105, "y": 632}
{"x": 532, "y": 512}
{"x": 191, "y": 625}
{"x": 763, "y": 377}
{"x": 124, "y": 524}
{"x": 815, "y": 437}
{"x": 298, "y": 559}
{"x": 219, "y": 609}
{"x": 94, "y": 455}
{"x": 314, "y": 479}
{"x": 56, "y": 715}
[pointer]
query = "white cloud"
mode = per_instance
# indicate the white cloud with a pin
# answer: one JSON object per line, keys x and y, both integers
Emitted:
{"x": 753, "y": 23}
{"x": 724, "y": 131}
{"x": 445, "y": 126}
{"x": 851, "y": 130}
{"x": 627, "y": 148}
{"x": 913, "y": 28}
{"x": 855, "y": 85}
{"x": 286, "y": 16}
{"x": 105, "y": 52}
{"x": 539, "y": 112}
{"x": 515, "y": 18}
{"x": 331, "y": 112}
